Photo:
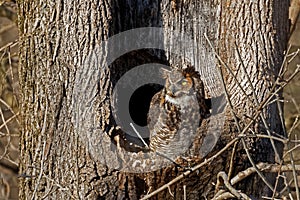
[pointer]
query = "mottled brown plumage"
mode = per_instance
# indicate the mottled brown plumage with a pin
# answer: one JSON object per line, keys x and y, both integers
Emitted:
{"x": 176, "y": 112}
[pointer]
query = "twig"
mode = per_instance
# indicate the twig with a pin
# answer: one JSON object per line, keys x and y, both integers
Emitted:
{"x": 10, "y": 109}
{"x": 272, "y": 198}
{"x": 232, "y": 160}
{"x": 283, "y": 69}
{"x": 265, "y": 167}
{"x": 284, "y": 141}
{"x": 149, "y": 190}
{"x": 10, "y": 44}
{"x": 137, "y": 133}
{"x": 227, "y": 184}
{"x": 295, "y": 103}
{"x": 287, "y": 187}
{"x": 294, "y": 54}
{"x": 8, "y": 134}
{"x": 184, "y": 192}
{"x": 8, "y": 120}
{"x": 223, "y": 195}
{"x": 277, "y": 181}
{"x": 169, "y": 189}
{"x": 291, "y": 150}
{"x": 9, "y": 159}
{"x": 11, "y": 72}
{"x": 287, "y": 184}
{"x": 237, "y": 194}
{"x": 294, "y": 172}
{"x": 293, "y": 126}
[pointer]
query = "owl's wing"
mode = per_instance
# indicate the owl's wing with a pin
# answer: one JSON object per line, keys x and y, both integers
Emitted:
{"x": 154, "y": 111}
{"x": 199, "y": 87}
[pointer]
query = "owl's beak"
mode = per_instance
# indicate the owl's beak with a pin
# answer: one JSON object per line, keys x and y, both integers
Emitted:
{"x": 170, "y": 94}
{"x": 173, "y": 91}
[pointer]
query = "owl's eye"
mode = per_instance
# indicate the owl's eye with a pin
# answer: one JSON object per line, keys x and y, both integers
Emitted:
{"x": 184, "y": 82}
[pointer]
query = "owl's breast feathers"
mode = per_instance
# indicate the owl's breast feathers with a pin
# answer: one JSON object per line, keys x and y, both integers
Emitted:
{"x": 172, "y": 125}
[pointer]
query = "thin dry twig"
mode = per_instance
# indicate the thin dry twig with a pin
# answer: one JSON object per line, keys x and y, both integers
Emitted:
{"x": 291, "y": 150}
{"x": 184, "y": 192}
{"x": 138, "y": 134}
{"x": 223, "y": 195}
{"x": 8, "y": 135}
{"x": 10, "y": 44}
{"x": 170, "y": 192}
{"x": 284, "y": 141}
{"x": 9, "y": 120}
{"x": 264, "y": 167}
{"x": 231, "y": 189}
{"x": 294, "y": 126}
{"x": 232, "y": 160}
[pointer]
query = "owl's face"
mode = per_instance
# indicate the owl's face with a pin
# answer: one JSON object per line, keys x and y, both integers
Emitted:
{"x": 178, "y": 87}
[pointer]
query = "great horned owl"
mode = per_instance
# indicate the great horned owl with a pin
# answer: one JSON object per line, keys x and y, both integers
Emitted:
{"x": 176, "y": 112}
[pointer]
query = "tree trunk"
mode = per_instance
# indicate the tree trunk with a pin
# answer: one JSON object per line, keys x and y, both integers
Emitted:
{"x": 75, "y": 143}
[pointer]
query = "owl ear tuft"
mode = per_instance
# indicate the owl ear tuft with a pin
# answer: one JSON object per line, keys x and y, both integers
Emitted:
{"x": 190, "y": 72}
{"x": 164, "y": 72}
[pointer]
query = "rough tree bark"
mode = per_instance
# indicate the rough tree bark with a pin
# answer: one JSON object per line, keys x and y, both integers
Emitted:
{"x": 57, "y": 37}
